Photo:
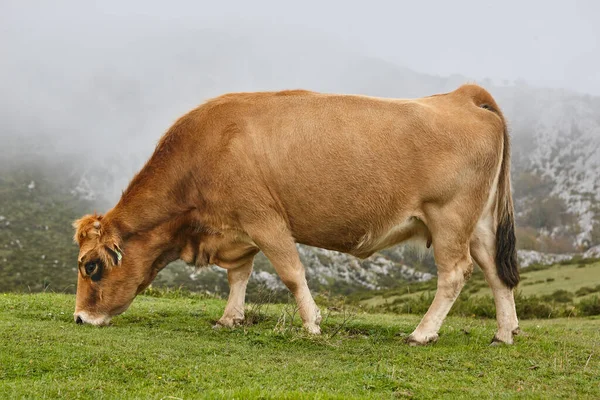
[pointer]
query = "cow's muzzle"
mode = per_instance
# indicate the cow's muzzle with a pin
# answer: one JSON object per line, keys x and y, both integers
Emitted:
{"x": 85, "y": 318}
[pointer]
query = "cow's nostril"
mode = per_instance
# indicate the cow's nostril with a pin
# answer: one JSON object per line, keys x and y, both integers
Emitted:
{"x": 79, "y": 320}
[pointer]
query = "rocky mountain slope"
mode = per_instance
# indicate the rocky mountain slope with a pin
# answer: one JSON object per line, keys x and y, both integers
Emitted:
{"x": 41, "y": 199}
{"x": 556, "y": 147}
{"x": 556, "y": 154}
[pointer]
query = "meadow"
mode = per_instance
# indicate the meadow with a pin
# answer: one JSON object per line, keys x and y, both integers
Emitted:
{"x": 164, "y": 347}
{"x": 568, "y": 289}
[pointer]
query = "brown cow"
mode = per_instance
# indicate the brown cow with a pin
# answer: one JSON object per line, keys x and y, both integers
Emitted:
{"x": 263, "y": 171}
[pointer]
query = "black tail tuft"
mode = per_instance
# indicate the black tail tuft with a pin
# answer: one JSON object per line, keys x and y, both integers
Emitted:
{"x": 506, "y": 251}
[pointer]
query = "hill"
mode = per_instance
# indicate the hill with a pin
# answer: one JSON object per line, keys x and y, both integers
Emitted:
{"x": 37, "y": 252}
{"x": 133, "y": 91}
{"x": 36, "y": 247}
{"x": 166, "y": 348}
{"x": 145, "y": 84}
{"x": 569, "y": 288}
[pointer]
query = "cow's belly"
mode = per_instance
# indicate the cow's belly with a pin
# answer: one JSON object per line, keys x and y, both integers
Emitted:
{"x": 411, "y": 229}
{"x": 362, "y": 240}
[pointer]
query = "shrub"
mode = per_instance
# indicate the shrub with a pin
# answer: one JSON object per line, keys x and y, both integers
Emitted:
{"x": 530, "y": 184}
{"x": 527, "y": 238}
{"x": 474, "y": 306}
{"x": 534, "y": 307}
{"x": 579, "y": 260}
{"x": 587, "y": 290}
{"x": 549, "y": 213}
{"x": 589, "y": 307}
{"x": 556, "y": 305}
{"x": 560, "y": 244}
{"x": 412, "y": 305}
{"x": 560, "y": 296}
{"x": 595, "y": 234}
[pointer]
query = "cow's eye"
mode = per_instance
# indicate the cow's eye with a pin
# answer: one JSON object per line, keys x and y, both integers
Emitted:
{"x": 91, "y": 267}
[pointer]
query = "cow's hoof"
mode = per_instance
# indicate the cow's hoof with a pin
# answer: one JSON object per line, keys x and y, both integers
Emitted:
{"x": 503, "y": 337}
{"x": 499, "y": 341}
{"x": 413, "y": 340}
{"x": 313, "y": 329}
{"x": 228, "y": 323}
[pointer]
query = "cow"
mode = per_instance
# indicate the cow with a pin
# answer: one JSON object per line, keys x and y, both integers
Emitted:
{"x": 250, "y": 172}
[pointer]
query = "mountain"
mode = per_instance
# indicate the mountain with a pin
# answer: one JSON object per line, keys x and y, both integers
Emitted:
{"x": 556, "y": 153}
{"x": 81, "y": 148}
{"x": 36, "y": 210}
{"x": 40, "y": 200}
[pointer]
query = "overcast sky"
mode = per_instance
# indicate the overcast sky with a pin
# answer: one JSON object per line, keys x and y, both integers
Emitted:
{"x": 546, "y": 43}
{"x": 107, "y": 78}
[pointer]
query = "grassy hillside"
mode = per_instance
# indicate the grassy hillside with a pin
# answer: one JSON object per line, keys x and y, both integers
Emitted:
{"x": 166, "y": 348}
{"x": 567, "y": 289}
{"x": 570, "y": 277}
{"x": 36, "y": 246}
{"x": 40, "y": 199}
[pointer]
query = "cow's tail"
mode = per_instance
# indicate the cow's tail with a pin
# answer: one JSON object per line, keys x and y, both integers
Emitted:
{"x": 506, "y": 251}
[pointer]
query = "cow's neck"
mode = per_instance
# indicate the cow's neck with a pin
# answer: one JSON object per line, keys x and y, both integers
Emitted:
{"x": 160, "y": 192}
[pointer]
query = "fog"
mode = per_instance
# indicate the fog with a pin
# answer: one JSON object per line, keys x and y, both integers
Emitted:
{"x": 108, "y": 78}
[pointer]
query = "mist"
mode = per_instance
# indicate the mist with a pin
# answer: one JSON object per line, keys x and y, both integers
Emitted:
{"x": 100, "y": 83}
{"x": 88, "y": 88}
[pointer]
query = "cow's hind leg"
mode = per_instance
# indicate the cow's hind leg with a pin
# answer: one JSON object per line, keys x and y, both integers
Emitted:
{"x": 454, "y": 265}
{"x": 483, "y": 249}
{"x": 238, "y": 280}
{"x": 278, "y": 245}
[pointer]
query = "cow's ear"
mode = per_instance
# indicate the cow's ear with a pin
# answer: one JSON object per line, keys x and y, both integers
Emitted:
{"x": 116, "y": 254}
{"x": 87, "y": 227}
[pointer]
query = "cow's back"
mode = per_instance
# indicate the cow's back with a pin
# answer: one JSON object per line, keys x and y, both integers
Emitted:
{"x": 340, "y": 167}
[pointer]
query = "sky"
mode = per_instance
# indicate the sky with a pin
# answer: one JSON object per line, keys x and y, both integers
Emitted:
{"x": 109, "y": 77}
{"x": 545, "y": 43}
{"x": 101, "y": 81}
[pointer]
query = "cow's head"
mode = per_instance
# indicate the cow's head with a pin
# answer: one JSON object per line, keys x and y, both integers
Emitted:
{"x": 109, "y": 279}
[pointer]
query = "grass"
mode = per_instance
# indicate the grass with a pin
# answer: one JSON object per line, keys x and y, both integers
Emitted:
{"x": 535, "y": 281}
{"x": 560, "y": 277}
{"x": 166, "y": 348}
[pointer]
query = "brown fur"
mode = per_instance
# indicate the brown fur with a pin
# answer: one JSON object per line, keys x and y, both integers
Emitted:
{"x": 260, "y": 171}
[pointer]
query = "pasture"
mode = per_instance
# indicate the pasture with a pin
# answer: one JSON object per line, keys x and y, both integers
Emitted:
{"x": 166, "y": 348}
{"x": 567, "y": 289}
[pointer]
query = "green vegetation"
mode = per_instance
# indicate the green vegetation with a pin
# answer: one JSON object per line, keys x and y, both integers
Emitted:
{"x": 541, "y": 213}
{"x": 37, "y": 252}
{"x": 165, "y": 347}
{"x": 563, "y": 290}
{"x": 36, "y": 246}
{"x": 569, "y": 277}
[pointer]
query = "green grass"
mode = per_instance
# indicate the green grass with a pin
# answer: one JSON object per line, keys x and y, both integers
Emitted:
{"x": 560, "y": 277}
{"x": 166, "y": 348}
{"x": 536, "y": 281}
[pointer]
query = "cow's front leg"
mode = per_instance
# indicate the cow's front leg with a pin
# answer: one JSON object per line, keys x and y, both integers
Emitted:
{"x": 234, "y": 310}
{"x": 277, "y": 243}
